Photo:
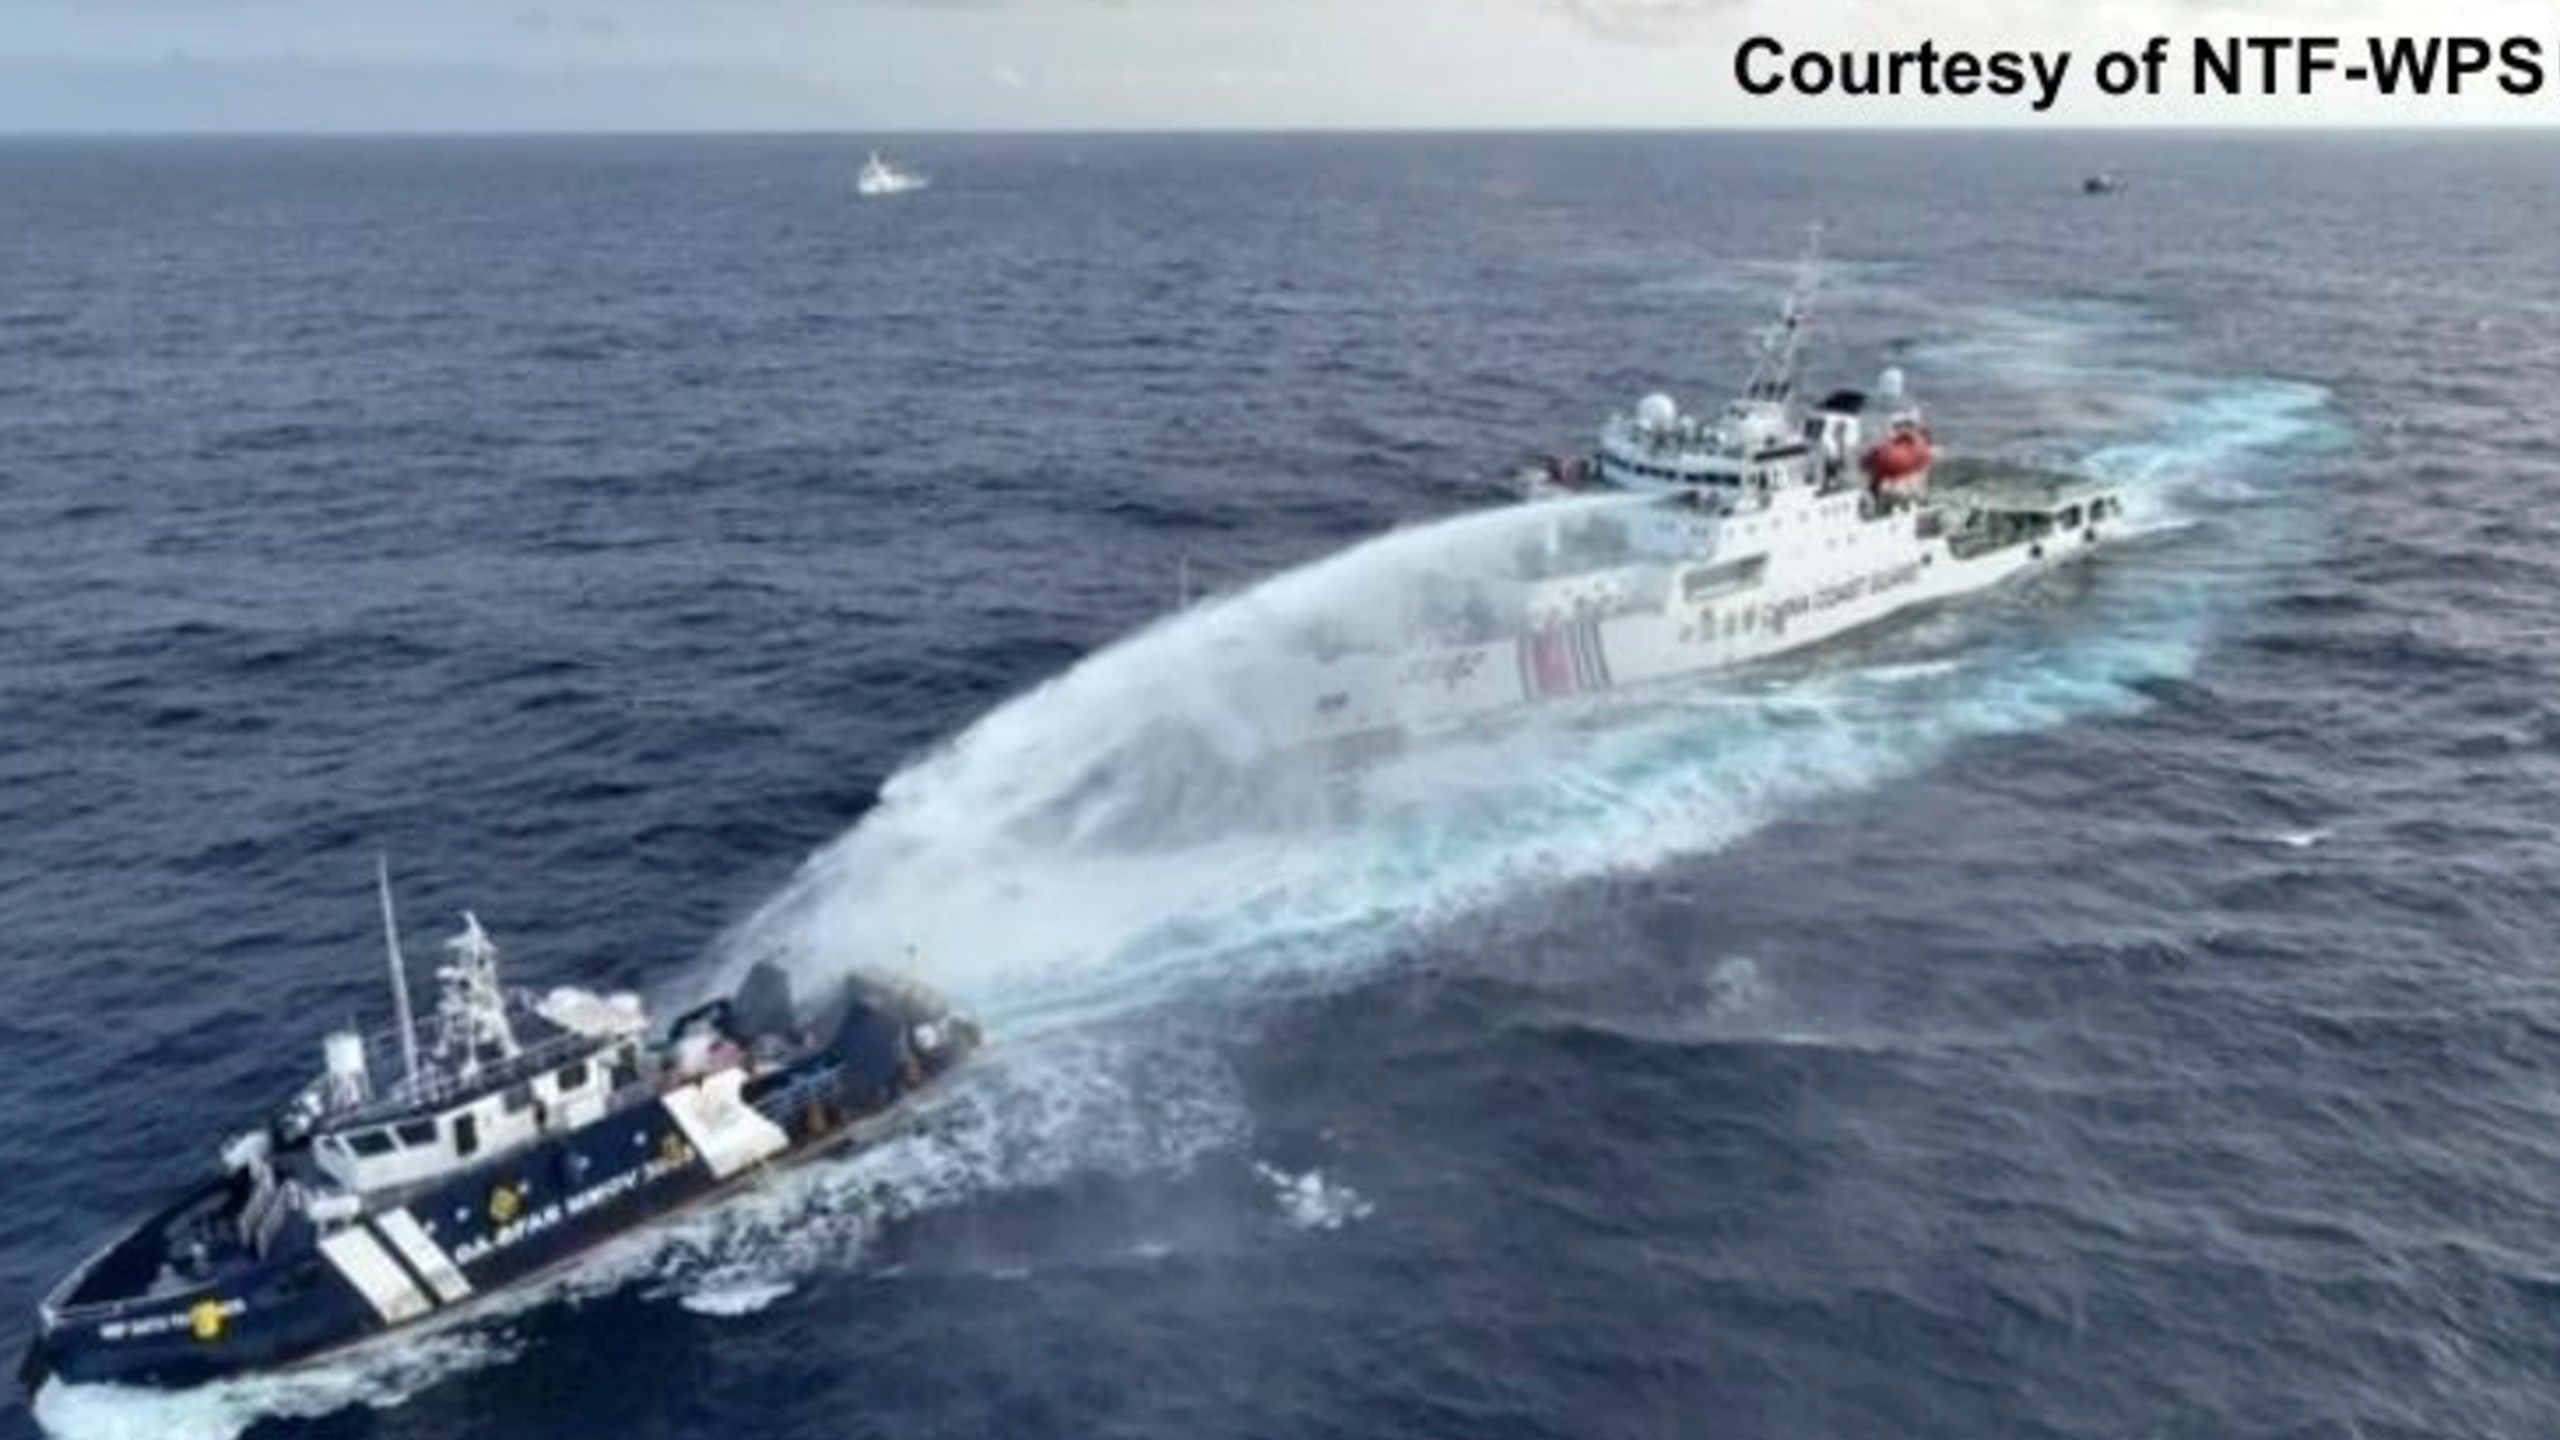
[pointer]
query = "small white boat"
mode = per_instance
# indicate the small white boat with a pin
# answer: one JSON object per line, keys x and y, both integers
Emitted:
{"x": 880, "y": 178}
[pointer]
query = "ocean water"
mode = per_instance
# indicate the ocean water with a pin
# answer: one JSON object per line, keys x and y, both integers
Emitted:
{"x": 2120, "y": 1007}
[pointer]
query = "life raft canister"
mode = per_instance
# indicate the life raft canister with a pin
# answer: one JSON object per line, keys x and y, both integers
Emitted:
{"x": 1903, "y": 455}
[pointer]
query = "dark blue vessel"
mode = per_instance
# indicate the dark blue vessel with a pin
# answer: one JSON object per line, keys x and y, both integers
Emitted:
{"x": 523, "y": 1131}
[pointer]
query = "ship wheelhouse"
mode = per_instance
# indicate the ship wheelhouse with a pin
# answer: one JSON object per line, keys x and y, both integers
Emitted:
{"x": 1770, "y": 444}
{"x": 503, "y": 1071}
{"x": 1751, "y": 448}
{"x": 560, "y": 1080}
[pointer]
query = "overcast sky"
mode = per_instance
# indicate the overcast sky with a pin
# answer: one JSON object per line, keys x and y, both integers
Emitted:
{"x": 884, "y": 65}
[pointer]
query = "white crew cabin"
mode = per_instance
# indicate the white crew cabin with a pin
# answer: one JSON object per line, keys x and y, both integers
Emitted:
{"x": 1755, "y": 447}
{"x": 503, "y": 1071}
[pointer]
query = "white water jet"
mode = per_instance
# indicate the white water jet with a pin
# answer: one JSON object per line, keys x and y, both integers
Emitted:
{"x": 1136, "y": 828}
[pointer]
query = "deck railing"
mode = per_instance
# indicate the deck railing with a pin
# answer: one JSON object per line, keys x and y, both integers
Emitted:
{"x": 394, "y": 1094}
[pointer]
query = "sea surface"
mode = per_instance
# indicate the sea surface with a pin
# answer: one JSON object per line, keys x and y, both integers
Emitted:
{"x": 2121, "y": 1008}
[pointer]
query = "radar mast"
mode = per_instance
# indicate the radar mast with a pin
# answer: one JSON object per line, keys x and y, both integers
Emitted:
{"x": 471, "y": 1014}
{"x": 1779, "y": 347}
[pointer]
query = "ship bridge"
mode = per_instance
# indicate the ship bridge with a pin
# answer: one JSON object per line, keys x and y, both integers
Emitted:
{"x": 438, "y": 1121}
{"x": 503, "y": 1070}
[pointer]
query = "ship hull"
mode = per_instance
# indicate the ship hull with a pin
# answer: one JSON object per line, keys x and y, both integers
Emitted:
{"x": 475, "y": 1234}
{"x": 1360, "y": 697}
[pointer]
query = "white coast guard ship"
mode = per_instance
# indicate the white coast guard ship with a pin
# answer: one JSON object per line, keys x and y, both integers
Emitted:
{"x": 417, "y": 1174}
{"x": 879, "y": 179}
{"x": 1704, "y": 541}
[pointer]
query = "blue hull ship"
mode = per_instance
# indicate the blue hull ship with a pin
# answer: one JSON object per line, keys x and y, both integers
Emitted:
{"x": 418, "y": 1174}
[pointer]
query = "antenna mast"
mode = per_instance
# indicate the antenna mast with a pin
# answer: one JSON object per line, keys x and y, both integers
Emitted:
{"x": 471, "y": 1015}
{"x": 399, "y": 973}
{"x": 1773, "y": 371}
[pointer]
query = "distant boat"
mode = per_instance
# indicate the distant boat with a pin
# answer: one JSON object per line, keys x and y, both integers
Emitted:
{"x": 2105, "y": 182}
{"x": 880, "y": 178}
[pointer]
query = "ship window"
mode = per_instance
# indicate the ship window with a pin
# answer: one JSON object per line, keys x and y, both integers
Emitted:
{"x": 466, "y": 1134}
{"x": 2071, "y": 518}
{"x": 626, "y": 1073}
{"x": 418, "y": 1132}
{"x": 369, "y": 1143}
{"x": 573, "y": 1075}
{"x": 519, "y": 1097}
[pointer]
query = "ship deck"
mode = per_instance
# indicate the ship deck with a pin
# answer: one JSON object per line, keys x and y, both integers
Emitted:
{"x": 2010, "y": 488}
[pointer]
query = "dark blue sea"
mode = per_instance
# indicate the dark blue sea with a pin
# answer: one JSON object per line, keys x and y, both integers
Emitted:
{"x": 2119, "y": 1008}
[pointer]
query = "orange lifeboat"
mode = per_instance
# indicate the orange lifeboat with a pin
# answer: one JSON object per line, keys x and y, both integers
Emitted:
{"x": 1901, "y": 458}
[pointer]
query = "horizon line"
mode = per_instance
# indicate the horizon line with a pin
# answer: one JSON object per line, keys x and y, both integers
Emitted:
{"x": 2285, "y": 128}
